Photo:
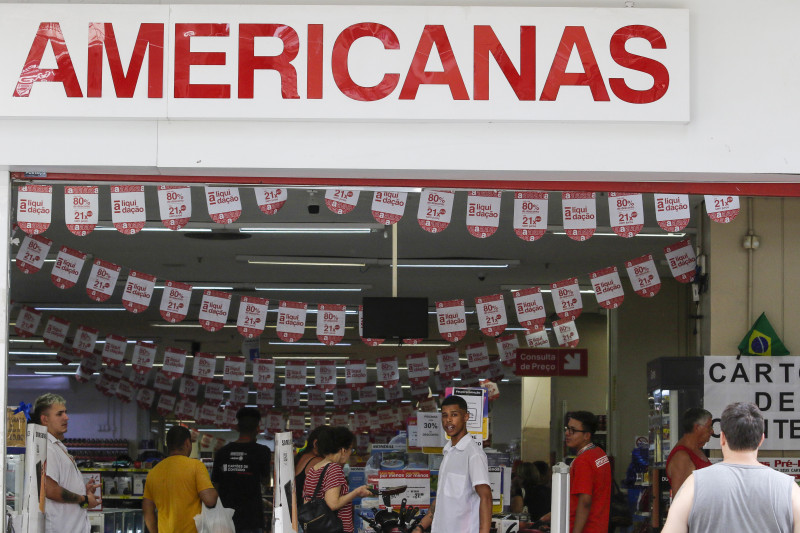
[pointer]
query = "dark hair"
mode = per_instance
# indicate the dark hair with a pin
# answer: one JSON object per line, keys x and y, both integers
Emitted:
{"x": 455, "y": 400}
{"x": 248, "y": 419}
{"x": 176, "y": 436}
{"x": 692, "y": 416}
{"x": 743, "y": 426}
{"x": 333, "y": 440}
{"x": 313, "y": 437}
{"x": 528, "y": 474}
{"x": 543, "y": 469}
{"x": 586, "y": 418}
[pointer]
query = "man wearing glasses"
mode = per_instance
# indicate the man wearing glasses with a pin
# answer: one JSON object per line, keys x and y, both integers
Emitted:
{"x": 589, "y": 476}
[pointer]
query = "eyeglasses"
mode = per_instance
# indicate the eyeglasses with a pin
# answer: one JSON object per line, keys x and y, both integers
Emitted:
{"x": 569, "y": 430}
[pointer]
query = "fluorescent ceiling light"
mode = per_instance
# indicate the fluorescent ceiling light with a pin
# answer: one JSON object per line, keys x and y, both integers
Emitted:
{"x": 31, "y": 353}
{"x": 48, "y": 373}
{"x": 57, "y": 308}
{"x": 457, "y": 263}
{"x": 204, "y": 287}
{"x": 182, "y": 325}
{"x": 420, "y": 345}
{"x": 604, "y": 234}
{"x": 303, "y": 261}
{"x": 277, "y": 343}
{"x": 519, "y": 288}
{"x": 27, "y": 341}
{"x": 46, "y": 364}
{"x": 314, "y": 229}
{"x": 157, "y": 228}
{"x": 298, "y": 287}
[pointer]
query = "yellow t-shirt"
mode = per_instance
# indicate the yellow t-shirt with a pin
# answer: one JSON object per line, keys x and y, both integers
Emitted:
{"x": 173, "y": 484}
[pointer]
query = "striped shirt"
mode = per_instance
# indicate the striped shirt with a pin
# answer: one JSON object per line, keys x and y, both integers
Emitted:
{"x": 334, "y": 477}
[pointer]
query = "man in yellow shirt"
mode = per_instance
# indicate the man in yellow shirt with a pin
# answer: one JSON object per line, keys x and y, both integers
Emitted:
{"x": 175, "y": 487}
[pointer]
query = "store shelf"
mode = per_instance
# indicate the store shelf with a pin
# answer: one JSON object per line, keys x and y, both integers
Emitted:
{"x": 120, "y": 497}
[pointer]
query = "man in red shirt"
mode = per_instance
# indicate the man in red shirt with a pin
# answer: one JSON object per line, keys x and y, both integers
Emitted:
{"x": 589, "y": 476}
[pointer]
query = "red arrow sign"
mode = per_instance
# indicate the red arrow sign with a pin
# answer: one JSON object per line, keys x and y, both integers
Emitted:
{"x": 552, "y": 362}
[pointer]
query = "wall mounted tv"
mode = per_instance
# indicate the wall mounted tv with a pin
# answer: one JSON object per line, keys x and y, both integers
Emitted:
{"x": 395, "y": 318}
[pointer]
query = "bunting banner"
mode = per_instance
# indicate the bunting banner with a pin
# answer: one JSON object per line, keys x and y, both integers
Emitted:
{"x": 567, "y": 298}
{"x": 174, "y": 205}
{"x": 185, "y": 409}
{"x": 274, "y": 422}
{"x": 114, "y": 350}
{"x": 32, "y": 253}
{"x": 325, "y": 374}
{"x": 388, "y": 206}
{"x": 449, "y": 365}
{"x": 452, "y": 319}
{"x": 175, "y": 301}
{"x": 102, "y": 280}
{"x": 672, "y": 211}
{"x": 203, "y": 367}
{"x": 330, "y": 323}
{"x": 67, "y": 268}
{"x": 34, "y": 208}
{"x": 529, "y": 305}
{"x": 138, "y": 291}
{"x": 91, "y": 364}
{"x": 213, "y": 392}
{"x": 340, "y": 419}
{"x": 607, "y": 287}
{"x": 163, "y": 383}
{"x": 530, "y": 215}
{"x": 263, "y": 373}
{"x": 580, "y": 215}
{"x": 166, "y": 404}
{"x": 291, "y": 321}
{"x": 491, "y": 311}
{"x": 265, "y": 398}
{"x": 85, "y": 340}
{"x": 252, "y": 316}
{"x": 81, "y": 206}
{"x": 219, "y": 421}
{"x": 229, "y": 417}
{"x": 435, "y": 210}
{"x": 368, "y": 395}
{"x": 355, "y": 373}
{"x": 270, "y": 199}
{"x": 295, "y": 375}
{"x": 188, "y": 388}
{"x": 145, "y": 398}
{"x": 507, "y": 349}
{"x": 362, "y": 420}
{"x": 468, "y": 377}
{"x": 537, "y": 338}
{"x": 214, "y": 309}
{"x": 368, "y": 342}
{"x": 239, "y": 394}
{"x": 138, "y": 380}
{"x": 722, "y": 209}
{"x": 420, "y": 392}
{"x": 643, "y": 276}
{"x": 388, "y": 371}
{"x": 55, "y": 332}
{"x": 477, "y": 357}
{"x": 318, "y": 419}
{"x": 174, "y": 362}
{"x": 207, "y": 414}
{"x": 419, "y": 371}
{"x": 393, "y": 394}
{"x": 27, "y": 322}
{"x": 296, "y": 422}
{"x": 144, "y": 355}
{"x": 128, "y": 213}
{"x": 342, "y": 398}
{"x": 483, "y": 213}
{"x": 341, "y": 201}
{"x": 224, "y": 204}
{"x": 681, "y": 260}
{"x": 125, "y": 391}
{"x": 626, "y": 213}
{"x": 566, "y": 332}
{"x": 496, "y": 371}
{"x": 233, "y": 371}
{"x": 316, "y": 400}
{"x": 290, "y": 398}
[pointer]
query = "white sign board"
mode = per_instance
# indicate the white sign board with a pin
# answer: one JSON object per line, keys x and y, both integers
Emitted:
{"x": 285, "y": 495}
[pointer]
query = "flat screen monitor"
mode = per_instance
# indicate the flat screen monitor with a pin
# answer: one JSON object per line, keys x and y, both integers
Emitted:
{"x": 400, "y": 318}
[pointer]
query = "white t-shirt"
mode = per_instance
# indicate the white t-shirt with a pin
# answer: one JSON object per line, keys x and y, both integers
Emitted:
{"x": 457, "y": 504}
{"x": 61, "y": 468}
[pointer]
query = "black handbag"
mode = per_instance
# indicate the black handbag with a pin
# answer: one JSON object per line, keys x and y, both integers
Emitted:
{"x": 315, "y": 516}
{"x": 620, "y": 514}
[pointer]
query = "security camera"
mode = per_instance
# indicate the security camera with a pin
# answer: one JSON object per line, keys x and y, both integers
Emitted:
{"x": 481, "y": 276}
{"x": 313, "y": 203}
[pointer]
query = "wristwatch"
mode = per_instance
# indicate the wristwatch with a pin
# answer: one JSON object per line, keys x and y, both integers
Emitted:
{"x": 85, "y": 503}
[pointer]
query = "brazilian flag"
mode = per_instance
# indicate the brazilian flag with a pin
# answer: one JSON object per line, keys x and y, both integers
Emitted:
{"x": 762, "y": 340}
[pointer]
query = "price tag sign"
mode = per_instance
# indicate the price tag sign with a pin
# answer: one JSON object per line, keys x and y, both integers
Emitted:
{"x": 580, "y": 215}
{"x": 483, "y": 213}
{"x": 530, "y": 215}
{"x": 417, "y": 483}
{"x": 34, "y": 208}
{"x": 270, "y": 199}
{"x": 330, "y": 323}
{"x": 341, "y": 201}
{"x": 626, "y": 213}
{"x": 102, "y": 280}
{"x": 32, "y": 253}
{"x": 452, "y": 320}
{"x": 224, "y": 204}
{"x": 435, "y": 210}
{"x": 252, "y": 316}
{"x": 175, "y": 205}
{"x": 67, "y": 268}
{"x": 643, "y": 276}
{"x": 429, "y": 431}
{"x": 567, "y": 298}
{"x": 491, "y": 311}
{"x": 175, "y": 301}
{"x": 128, "y": 212}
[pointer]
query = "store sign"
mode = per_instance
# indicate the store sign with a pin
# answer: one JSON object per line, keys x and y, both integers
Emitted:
{"x": 345, "y": 63}
{"x": 552, "y": 362}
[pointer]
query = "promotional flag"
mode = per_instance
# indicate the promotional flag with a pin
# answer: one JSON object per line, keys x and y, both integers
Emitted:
{"x": 507, "y": 348}
{"x": 233, "y": 371}
{"x": 291, "y": 321}
{"x": 607, "y": 287}
{"x": 452, "y": 320}
{"x": 81, "y": 206}
{"x": 330, "y": 323}
{"x": 325, "y": 374}
{"x": 252, "y": 316}
{"x": 175, "y": 205}
{"x": 102, "y": 280}
{"x": 626, "y": 213}
{"x": 224, "y": 204}
{"x": 643, "y": 276}
{"x": 203, "y": 367}
{"x": 213, "y": 392}
{"x": 483, "y": 213}
{"x": 341, "y": 201}
{"x": 27, "y": 321}
{"x": 55, "y": 332}
{"x": 477, "y": 358}
{"x": 419, "y": 371}
{"x": 762, "y": 340}
{"x": 144, "y": 354}
{"x": 529, "y": 306}
{"x": 67, "y": 268}
{"x": 295, "y": 375}
{"x": 175, "y": 301}
{"x": 214, "y": 309}
{"x": 722, "y": 209}
{"x": 114, "y": 350}
{"x": 32, "y": 253}
{"x": 537, "y": 338}
{"x": 435, "y": 210}
{"x": 491, "y": 311}
{"x": 681, "y": 260}
{"x": 388, "y": 371}
{"x": 449, "y": 364}
{"x": 270, "y": 199}
{"x": 128, "y": 213}
{"x": 566, "y": 332}
{"x": 530, "y": 214}
{"x": 263, "y": 373}
{"x": 672, "y": 211}
{"x": 567, "y": 298}
{"x": 174, "y": 362}
{"x": 580, "y": 215}
{"x": 388, "y": 206}
{"x": 34, "y": 208}
{"x": 138, "y": 291}
{"x": 355, "y": 373}
{"x": 85, "y": 340}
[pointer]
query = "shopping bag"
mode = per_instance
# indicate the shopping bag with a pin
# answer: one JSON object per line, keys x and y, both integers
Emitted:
{"x": 217, "y": 519}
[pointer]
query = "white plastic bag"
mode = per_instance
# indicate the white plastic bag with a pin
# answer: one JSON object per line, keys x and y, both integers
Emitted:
{"x": 217, "y": 519}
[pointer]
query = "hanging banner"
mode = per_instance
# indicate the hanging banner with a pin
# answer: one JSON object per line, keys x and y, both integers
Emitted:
{"x": 145, "y": 398}
{"x": 419, "y": 371}
{"x": 66, "y": 356}
{"x": 32, "y": 253}
{"x": 125, "y": 391}
{"x": 435, "y": 210}
{"x": 626, "y": 213}
{"x": 607, "y": 287}
{"x": 91, "y": 364}
{"x": 214, "y": 309}
{"x": 567, "y": 298}
{"x": 530, "y": 214}
{"x": 128, "y": 212}
{"x": 207, "y": 414}
{"x": 681, "y": 259}
{"x": 229, "y": 417}
{"x": 672, "y": 211}
{"x": 239, "y": 394}
{"x": 81, "y": 206}
{"x": 368, "y": 342}
{"x": 27, "y": 322}
{"x": 529, "y": 305}
{"x": 643, "y": 276}
{"x": 342, "y": 398}
{"x": 506, "y": 348}
{"x": 162, "y": 383}
{"x": 362, "y": 420}
{"x": 341, "y": 201}
{"x": 496, "y": 373}
{"x": 166, "y": 404}
{"x": 566, "y": 332}
{"x": 138, "y": 291}
{"x": 580, "y": 215}
{"x": 188, "y": 388}
{"x": 316, "y": 400}
{"x": 34, "y": 208}
{"x": 263, "y": 373}
{"x": 318, "y": 419}
{"x": 138, "y": 380}
{"x": 213, "y": 392}
{"x": 355, "y": 373}
{"x": 290, "y": 398}
{"x": 55, "y": 332}
{"x": 330, "y": 323}
{"x": 393, "y": 394}
{"x": 274, "y": 423}
{"x": 468, "y": 377}
{"x": 722, "y": 209}
{"x": 388, "y": 206}
{"x": 295, "y": 375}
{"x": 388, "y": 371}
{"x": 114, "y": 350}
{"x": 477, "y": 357}
{"x": 491, "y": 311}
{"x": 449, "y": 364}
{"x": 270, "y": 199}
{"x": 296, "y": 422}
{"x": 483, "y": 213}
{"x": 175, "y": 301}
{"x": 174, "y": 362}
{"x": 144, "y": 355}
{"x": 325, "y": 375}
{"x": 291, "y": 321}
{"x": 85, "y": 340}
{"x": 420, "y": 392}
{"x": 368, "y": 395}
{"x": 102, "y": 280}
{"x": 537, "y": 338}
{"x": 175, "y": 205}
{"x": 233, "y": 371}
{"x": 203, "y": 367}
{"x": 67, "y": 268}
{"x": 224, "y": 204}
{"x": 252, "y": 316}
{"x": 219, "y": 421}
{"x": 452, "y": 319}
